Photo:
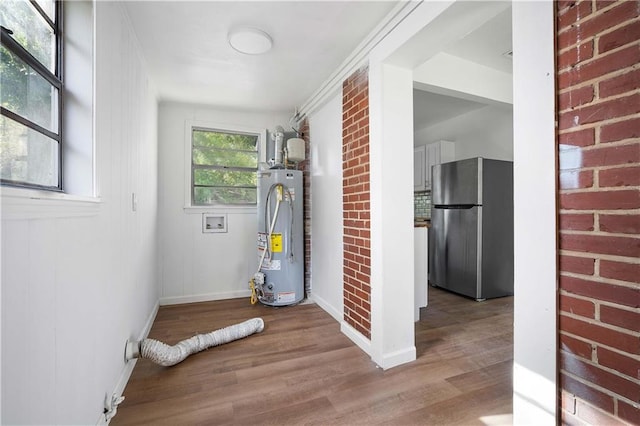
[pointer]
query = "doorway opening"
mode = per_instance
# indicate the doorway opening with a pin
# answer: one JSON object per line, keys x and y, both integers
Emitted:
{"x": 392, "y": 68}
{"x": 462, "y": 109}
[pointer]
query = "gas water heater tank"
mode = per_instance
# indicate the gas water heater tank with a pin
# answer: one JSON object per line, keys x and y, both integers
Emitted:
{"x": 280, "y": 233}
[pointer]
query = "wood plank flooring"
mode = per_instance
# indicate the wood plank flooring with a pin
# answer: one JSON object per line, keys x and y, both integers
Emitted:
{"x": 302, "y": 370}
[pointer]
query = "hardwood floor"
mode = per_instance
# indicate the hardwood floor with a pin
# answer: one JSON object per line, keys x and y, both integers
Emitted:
{"x": 302, "y": 370}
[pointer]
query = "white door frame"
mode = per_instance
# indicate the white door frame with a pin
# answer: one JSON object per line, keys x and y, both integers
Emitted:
{"x": 391, "y": 148}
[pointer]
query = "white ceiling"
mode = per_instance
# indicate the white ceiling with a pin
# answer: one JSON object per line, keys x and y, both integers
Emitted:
{"x": 431, "y": 108}
{"x": 486, "y": 46}
{"x": 185, "y": 46}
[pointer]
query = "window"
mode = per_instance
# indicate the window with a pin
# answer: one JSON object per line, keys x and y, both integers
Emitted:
{"x": 31, "y": 95}
{"x": 223, "y": 167}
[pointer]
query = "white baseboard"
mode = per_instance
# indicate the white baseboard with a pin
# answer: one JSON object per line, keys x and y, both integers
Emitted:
{"x": 177, "y": 300}
{"x": 327, "y": 307}
{"x": 128, "y": 366}
{"x": 355, "y": 336}
{"x": 388, "y": 360}
{"x": 396, "y": 358}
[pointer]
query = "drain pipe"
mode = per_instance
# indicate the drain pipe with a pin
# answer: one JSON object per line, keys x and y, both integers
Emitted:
{"x": 167, "y": 355}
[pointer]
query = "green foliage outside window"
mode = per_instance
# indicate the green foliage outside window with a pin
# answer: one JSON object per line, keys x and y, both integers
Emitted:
{"x": 29, "y": 149}
{"x": 224, "y": 167}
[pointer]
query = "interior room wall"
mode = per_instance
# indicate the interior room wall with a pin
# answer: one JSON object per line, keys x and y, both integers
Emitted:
{"x": 193, "y": 265}
{"x": 325, "y": 126}
{"x": 79, "y": 276}
{"x": 485, "y": 132}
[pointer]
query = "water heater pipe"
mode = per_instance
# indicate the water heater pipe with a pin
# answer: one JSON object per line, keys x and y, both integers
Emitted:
{"x": 278, "y": 145}
{"x": 256, "y": 287}
{"x": 167, "y": 355}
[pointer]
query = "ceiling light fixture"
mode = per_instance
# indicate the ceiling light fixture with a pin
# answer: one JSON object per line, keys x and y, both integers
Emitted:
{"x": 250, "y": 41}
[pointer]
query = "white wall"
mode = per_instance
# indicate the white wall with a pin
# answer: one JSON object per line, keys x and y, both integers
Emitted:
{"x": 392, "y": 245}
{"x": 194, "y": 266}
{"x": 325, "y": 128}
{"x": 535, "y": 328}
{"x": 79, "y": 276}
{"x": 485, "y": 132}
{"x": 453, "y": 73}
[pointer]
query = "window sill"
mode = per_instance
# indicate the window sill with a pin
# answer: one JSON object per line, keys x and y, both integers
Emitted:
{"x": 220, "y": 209}
{"x": 20, "y": 204}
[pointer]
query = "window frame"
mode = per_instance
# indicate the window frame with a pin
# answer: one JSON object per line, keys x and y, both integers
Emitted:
{"x": 56, "y": 80}
{"x": 190, "y": 126}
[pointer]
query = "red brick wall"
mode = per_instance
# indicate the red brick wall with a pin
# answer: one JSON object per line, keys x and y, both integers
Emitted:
{"x": 598, "y": 76}
{"x": 355, "y": 202}
{"x": 305, "y": 166}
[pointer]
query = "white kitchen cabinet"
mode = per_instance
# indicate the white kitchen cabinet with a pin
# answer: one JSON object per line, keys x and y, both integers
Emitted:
{"x": 421, "y": 269}
{"x": 427, "y": 156}
{"x": 419, "y": 165}
{"x": 437, "y": 153}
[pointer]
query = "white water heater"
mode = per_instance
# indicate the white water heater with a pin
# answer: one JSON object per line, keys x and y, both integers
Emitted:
{"x": 280, "y": 279}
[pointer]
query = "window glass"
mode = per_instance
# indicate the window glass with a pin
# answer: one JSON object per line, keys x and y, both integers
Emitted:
{"x": 30, "y": 95}
{"x": 27, "y": 93}
{"x": 223, "y": 157}
{"x": 224, "y": 140}
{"x": 221, "y": 195}
{"x": 47, "y": 7}
{"x": 31, "y": 30}
{"x": 224, "y": 166}
{"x": 27, "y": 156}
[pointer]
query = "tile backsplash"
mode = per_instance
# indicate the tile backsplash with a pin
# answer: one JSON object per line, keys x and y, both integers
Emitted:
{"x": 422, "y": 205}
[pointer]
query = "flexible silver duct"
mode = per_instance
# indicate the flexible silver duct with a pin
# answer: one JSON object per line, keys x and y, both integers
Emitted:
{"x": 167, "y": 355}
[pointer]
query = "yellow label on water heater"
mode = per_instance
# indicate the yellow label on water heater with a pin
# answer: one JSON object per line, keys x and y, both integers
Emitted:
{"x": 276, "y": 243}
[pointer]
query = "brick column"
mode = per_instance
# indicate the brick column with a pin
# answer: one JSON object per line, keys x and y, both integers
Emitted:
{"x": 305, "y": 166}
{"x": 355, "y": 202}
{"x": 598, "y": 102}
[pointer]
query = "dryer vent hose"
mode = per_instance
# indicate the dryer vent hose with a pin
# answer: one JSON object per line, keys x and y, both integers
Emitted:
{"x": 167, "y": 355}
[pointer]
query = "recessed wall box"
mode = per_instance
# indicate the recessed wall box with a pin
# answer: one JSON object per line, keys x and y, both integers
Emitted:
{"x": 214, "y": 222}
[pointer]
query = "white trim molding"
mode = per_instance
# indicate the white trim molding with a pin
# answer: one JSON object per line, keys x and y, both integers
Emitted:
{"x": 535, "y": 328}
{"x": 208, "y": 297}
{"x": 355, "y": 336}
{"x": 326, "y": 306}
{"x": 22, "y": 204}
{"x": 358, "y": 57}
{"x": 130, "y": 364}
{"x": 189, "y": 125}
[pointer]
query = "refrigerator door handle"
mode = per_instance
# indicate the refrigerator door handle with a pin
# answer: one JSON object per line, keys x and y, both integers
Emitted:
{"x": 454, "y": 206}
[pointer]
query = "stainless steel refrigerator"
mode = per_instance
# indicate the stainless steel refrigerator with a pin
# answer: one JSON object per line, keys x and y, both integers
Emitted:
{"x": 471, "y": 234}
